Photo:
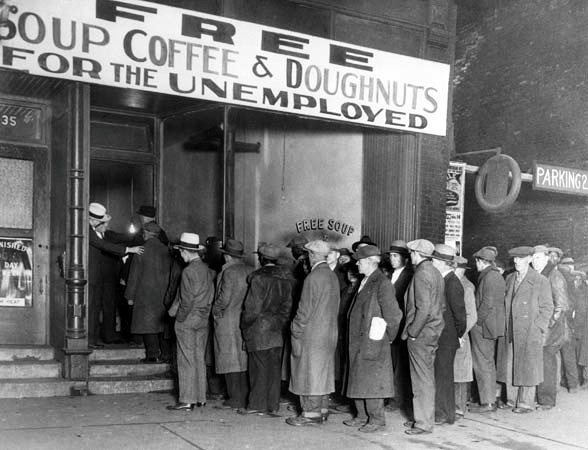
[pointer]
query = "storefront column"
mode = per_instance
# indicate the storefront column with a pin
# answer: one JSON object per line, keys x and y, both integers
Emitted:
{"x": 76, "y": 342}
{"x": 229, "y": 176}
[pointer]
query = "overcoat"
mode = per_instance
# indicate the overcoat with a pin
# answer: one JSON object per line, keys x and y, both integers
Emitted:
{"x": 370, "y": 373}
{"x": 490, "y": 303}
{"x": 267, "y": 307}
{"x": 454, "y": 314}
{"x": 314, "y": 333}
{"x": 462, "y": 364}
{"x": 146, "y": 286}
{"x": 558, "y": 330}
{"x": 231, "y": 289}
{"x": 528, "y": 310}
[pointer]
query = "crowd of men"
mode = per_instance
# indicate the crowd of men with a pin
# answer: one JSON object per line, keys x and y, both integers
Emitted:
{"x": 360, "y": 331}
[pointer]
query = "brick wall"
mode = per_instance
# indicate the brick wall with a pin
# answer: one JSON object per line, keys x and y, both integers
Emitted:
{"x": 520, "y": 84}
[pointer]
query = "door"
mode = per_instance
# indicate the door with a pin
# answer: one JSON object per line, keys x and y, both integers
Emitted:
{"x": 24, "y": 245}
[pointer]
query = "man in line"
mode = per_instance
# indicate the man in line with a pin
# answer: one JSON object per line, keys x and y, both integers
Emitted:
{"x": 455, "y": 326}
{"x": 370, "y": 375}
{"x": 104, "y": 262}
{"x": 230, "y": 357}
{"x": 488, "y": 328}
{"x": 425, "y": 301}
{"x": 557, "y": 331}
{"x": 194, "y": 300}
{"x": 400, "y": 278}
{"x": 266, "y": 311}
{"x": 314, "y": 338}
{"x": 528, "y": 308}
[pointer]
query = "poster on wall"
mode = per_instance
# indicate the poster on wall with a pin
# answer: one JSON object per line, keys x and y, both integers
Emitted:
{"x": 455, "y": 190}
{"x": 16, "y": 278}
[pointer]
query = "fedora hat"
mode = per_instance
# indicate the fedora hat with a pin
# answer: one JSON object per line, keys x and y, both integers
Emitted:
{"x": 366, "y": 251}
{"x": 521, "y": 252}
{"x": 189, "y": 241}
{"x": 269, "y": 251}
{"x": 487, "y": 253}
{"x": 444, "y": 252}
{"x": 233, "y": 247}
{"x": 364, "y": 240}
{"x": 98, "y": 212}
{"x": 399, "y": 246}
{"x": 422, "y": 246}
{"x": 297, "y": 241}
{"x": 147, "y": 211}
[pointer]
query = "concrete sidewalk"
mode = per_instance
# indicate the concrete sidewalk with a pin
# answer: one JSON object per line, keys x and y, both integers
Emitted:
{"x": 140, "y": 421}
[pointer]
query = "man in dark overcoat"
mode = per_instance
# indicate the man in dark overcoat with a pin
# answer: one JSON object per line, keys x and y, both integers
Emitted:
{"x": 455, "y": 319}
{"x": 488, "y": 328}
{"x": 194, "y": 301}
{"x": 400, "y": 278}
{"x": 425, "y": 302}
{"x": 529, "y": 307}
{"x": 230, "y": 356}
{"x": 146, "y": 286}
{"x": 314, "y": 338}
{"x": 104, "y": 262}
{"x": 370, "y": 376}
{"x": 557, "y": 331}
{"x": 266, "y": 311}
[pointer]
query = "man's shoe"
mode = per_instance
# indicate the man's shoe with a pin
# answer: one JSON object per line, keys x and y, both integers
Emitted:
{"x": 440, "y": 421}
{"x": 355, "y": 422}
{"x": 505, "y": 405}
{"x": 200, "y": 404}
{"x": 247, "y": 412}
{"x": 521, "y": 410}
{"x": 371, "y": 428}
{"x": 181, "y": 407}
{"x": 95, "y": 346}
{"x": 543, "y": 407}
{"x": 300, "y": 421}
{"x": 484, "y": 408}
{"x": 409, "y": 424}
{"x": 344, "y": 408}
{"x": 416, "y": 430}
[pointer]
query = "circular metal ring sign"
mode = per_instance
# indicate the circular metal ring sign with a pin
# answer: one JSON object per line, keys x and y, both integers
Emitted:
{"x": 494, "y": 190}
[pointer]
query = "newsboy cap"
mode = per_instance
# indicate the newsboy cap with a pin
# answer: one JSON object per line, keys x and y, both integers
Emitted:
{"x": 540, "y": 249}
{"x": 297, "y": 241}
{"x": 444, "y": 252}
{"x": 462, "y": 263}
{"x": 567, "y": 260}
{"x": 521, "y": 252}
{"x": 366, "y": 251}
{"x": 422, "y": 246}
{"x": 487, "y": 253}
{"x": 318, "y": 246}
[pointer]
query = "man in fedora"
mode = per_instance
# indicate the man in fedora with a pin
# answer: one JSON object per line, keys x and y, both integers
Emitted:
{"x": 400, "y": 278}
{"x": 454, "y": 317}
{"x": 528, "y": 308}
{"x": 266, "y": 311}
{"x": 194, "y": 301}
{"x": 104, "y": 262}
{"x": 230, "y": 357}
{"x": 370, "y": 374}
{"x": 488, "y": 328}
{"x": 314, "y": 338}
{"x": 425, "y": 301}
{"x": 147, "y": 215}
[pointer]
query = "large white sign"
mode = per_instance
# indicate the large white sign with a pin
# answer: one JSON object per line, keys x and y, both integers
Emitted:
{"x": 142, "y": 45}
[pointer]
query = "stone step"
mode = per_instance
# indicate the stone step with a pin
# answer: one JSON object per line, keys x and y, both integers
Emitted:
{"x": 112, "y": 354}
{"x": 36, "y": 387}
{"x": 26, "y": 353}
{"x": 130, "y": 385}
{"x": 126, "y": 368}
{"x": 29, "y": 369}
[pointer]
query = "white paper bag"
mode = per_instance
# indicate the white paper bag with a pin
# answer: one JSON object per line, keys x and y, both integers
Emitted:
{"x": 377, "y": 329}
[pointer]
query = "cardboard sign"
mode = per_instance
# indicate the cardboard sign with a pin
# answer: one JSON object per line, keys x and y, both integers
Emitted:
{"x": 147, "y": 46}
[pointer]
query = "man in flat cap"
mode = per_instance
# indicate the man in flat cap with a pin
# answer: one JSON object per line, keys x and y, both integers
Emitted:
{"x": 314, "y": 338}
{"x": 557, "y": 331}
{"x": 425, "y": 301}
{"x": 454, "y": 318}
{"x": 370, "y": 374}
{"x": 528, "y": 308}
{"x": 266, "y": 311}
{"x": 488, "y": 328}
{"x": 400, "y": 278}
{"x": 230, "y": 357}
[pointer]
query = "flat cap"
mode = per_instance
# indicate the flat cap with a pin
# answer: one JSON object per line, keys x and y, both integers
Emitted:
{"x": 487, "y": 253}
{"x": 540, "y": 249}
{"x": 366, "y": 251}
{"x": 444, "y": 252}
{"x": 399, "y": 246}
{"x": 555, "y": 250}
{"x": 567, "y": 260}
{"x": 462, "y": 262}
{"x": 521, "y": 251}
{"x": 422, "y": 246}
{"x": 318, "y": 246}
{"x": 297, "y": 241}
